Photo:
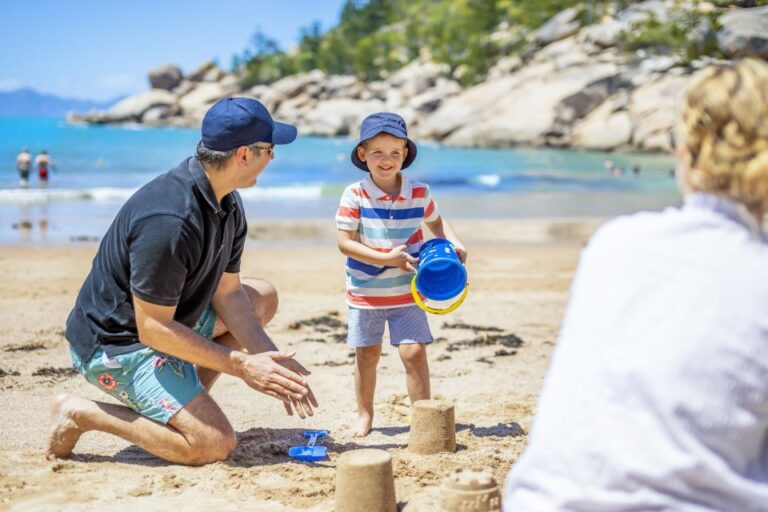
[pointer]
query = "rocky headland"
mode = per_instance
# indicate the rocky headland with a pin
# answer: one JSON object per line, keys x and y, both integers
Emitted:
{"x": 570, "y": 85}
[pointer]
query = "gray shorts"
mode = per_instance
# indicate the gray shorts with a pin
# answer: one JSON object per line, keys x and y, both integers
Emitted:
{"x": 406, "y": 325}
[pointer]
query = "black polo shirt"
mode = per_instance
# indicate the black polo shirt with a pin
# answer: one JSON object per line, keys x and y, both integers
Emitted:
{"x": 169, "y": 245}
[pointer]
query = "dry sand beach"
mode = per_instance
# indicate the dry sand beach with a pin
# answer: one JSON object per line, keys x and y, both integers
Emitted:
{"x": 489, "y": 360}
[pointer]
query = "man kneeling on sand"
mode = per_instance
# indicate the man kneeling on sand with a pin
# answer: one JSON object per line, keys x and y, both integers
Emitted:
{"x": 163, "y": 311}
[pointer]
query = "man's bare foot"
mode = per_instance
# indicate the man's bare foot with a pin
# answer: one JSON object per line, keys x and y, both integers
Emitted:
{"x": 363, "y": 425}
{"x": 64, "y": 429}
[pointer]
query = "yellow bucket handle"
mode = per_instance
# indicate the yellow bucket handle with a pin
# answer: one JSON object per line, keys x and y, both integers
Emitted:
{"x": 434, "y": 311}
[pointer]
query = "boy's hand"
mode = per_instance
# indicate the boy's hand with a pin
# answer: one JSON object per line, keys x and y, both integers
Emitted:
{"x": 397, "y": 257}
{"x": 461, "y": 251}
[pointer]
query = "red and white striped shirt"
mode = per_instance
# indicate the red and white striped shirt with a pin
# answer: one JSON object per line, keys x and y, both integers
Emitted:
{"x": 382, "y": 222}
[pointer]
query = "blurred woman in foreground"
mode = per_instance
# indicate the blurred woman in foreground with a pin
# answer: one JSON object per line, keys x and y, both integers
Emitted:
{"x": 657, "y": 395}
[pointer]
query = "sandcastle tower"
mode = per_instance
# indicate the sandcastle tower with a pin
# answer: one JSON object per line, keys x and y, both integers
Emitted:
{"x": 364, "y": 482}
{"x": 470, "y": 489}
{"x": 433, "y": 427}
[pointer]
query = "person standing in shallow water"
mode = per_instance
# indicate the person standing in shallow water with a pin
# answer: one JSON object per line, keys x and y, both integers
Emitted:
{"x": 44, "y": 165}
{"x": 163, "y": 311}
{"x": 23, "y": 163}
{"x": 657, "y": 394}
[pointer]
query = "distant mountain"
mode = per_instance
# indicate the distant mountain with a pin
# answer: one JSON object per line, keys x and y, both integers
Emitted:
{"x": 28, "y": 102}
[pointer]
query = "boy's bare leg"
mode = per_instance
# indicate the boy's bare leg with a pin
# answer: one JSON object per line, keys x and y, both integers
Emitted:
{"x": 264, "y": 300}
{"x": 366, "y": 360}
{"x": 198, "y": 434}
{"x": 414, "y": 357}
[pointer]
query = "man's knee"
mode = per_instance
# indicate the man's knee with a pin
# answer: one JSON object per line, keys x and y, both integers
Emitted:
{"x": 209, "y": 435}
{"x": 263, "y": 296}
{"x": 211, "y": 447}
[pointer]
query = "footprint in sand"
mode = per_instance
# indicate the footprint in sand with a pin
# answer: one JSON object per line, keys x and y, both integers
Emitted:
{"x": 398, "y": 407}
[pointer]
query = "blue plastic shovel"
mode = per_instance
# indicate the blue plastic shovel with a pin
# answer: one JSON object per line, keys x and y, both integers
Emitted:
{"x": 310, "y": 452}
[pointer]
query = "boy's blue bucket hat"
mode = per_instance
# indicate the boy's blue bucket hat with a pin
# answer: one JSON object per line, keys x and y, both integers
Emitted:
{"x": 235, "y": 122}
{"x": 384, "y": 122}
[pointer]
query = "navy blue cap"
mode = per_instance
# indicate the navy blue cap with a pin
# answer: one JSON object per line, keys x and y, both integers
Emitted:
{"x": 384, "y": 122}
{"x": 234, "y": 122}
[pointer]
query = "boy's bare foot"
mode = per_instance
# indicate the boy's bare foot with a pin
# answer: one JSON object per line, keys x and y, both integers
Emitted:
{"x": 363, "y": 425}
{"x": 64, "y": 429}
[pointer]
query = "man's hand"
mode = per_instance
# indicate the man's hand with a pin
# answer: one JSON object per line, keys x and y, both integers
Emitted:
{"x": 271, "y": 373}
{"x": 309, "y": 401}
{"x": 397, "y": 257}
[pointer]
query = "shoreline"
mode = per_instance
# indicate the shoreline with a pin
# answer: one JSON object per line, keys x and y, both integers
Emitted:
{"x": 312, "y": 232}
{"x": 485, "y": 231}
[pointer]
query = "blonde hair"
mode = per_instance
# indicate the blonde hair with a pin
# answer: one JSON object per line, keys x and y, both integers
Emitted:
{"x": 724, "y": 125}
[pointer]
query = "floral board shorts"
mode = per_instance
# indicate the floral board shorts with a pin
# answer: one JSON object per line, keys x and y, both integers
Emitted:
{"x": 153, "y": 384}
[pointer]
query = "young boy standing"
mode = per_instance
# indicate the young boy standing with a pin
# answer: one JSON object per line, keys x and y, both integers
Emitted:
{"x": 379, "y": 230}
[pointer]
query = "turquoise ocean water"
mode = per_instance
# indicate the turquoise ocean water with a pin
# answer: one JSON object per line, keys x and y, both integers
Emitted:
{"x": 99, "y": 167}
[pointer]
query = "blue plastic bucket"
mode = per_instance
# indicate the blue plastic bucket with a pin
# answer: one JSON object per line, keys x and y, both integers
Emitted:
{"x": 441, "y": 275}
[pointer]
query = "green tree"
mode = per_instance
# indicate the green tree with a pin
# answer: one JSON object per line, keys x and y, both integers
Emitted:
{"x": 534, "y": 13}
{"x": 334, "y": 54}
{"x": 310, "y": 41}
{"x": 374, "y": 37}
{"x": 264, "y": 61}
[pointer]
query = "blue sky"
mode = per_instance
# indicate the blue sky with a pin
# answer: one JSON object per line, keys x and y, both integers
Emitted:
{"x": 99, "y": 49}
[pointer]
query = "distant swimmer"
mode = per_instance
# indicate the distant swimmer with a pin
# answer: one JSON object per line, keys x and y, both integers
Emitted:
{"x": 44, "y": 164}
{"x": 23, "y": 163}
{"x": 609, "y": 166}
{"x": 636, "y": 169}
